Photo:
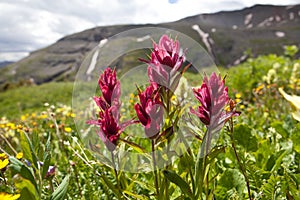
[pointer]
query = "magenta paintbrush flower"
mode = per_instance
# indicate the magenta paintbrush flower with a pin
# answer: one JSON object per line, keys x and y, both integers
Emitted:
{"x": 213, "y": 96}
{"x": 150, "y": 110}
{"x": 109, "y": 129}
{"x": 166, "y": 52}
{"x": 110, "y": 87}
{"x": 109, "y": 115}
{"x": 165, "y": 63}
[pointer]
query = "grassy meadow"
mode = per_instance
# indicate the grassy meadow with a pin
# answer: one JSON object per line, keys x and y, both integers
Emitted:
{"x": 38, "y": 133}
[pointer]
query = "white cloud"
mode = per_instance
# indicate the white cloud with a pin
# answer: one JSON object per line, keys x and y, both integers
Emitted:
{"x": 12, "y": 56}
{"x": 27, "y": 25}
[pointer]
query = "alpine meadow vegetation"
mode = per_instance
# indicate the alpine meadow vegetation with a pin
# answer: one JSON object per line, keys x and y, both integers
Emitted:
{"x": 236, "y": 137}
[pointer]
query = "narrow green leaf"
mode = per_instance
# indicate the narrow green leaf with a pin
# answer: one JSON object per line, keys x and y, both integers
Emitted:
{"x": 47, "y": 157}
{"x": 61, "y": 190}
{"x": 32, "y": 155}
{"x": 25, "y": 147}
{"x": 279, "y": 160}
{"x": 46, "y": 164}
{"x": 111, "y": 186}
{"x": 177, "y": 180}
{"x": 27, "y": 189}
{"x": 199, "y": 168}
{"x": 135, "y": 196}
{"x": 21, "y": 169}
{"x": 215, "y": 152}
{"x": 136, "y": 147}
{"x": 296, "y": 141}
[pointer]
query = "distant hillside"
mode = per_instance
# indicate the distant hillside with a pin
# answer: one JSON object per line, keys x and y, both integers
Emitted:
{"x": 5, "y": 63}
{"x": 226, "y": 35}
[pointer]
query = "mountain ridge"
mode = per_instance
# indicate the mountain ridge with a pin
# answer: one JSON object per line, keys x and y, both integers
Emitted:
{"x": 225, "y": 34}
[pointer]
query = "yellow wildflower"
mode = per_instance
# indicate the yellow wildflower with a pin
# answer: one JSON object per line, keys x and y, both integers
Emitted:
{"x": 5, "y": 196}
{"x": 19, "y": 155}
{"x": 238, "y": 95}
{"x": 11, "y": 125}
{"x": 242, "y": 106}
{"x": 237, "y": 100}
{"x": 59, "y": 110}
{"x": 3, "y": 156}
{"x": 227, "y": 108}
{"x": 43, "y": 116}
{"x": 19, "y": 128}
{"x": 259, "y": 88}
{"x": 23, "y": 117}
{"x": 68, "y": 129}
{"x": 3, "y": 164}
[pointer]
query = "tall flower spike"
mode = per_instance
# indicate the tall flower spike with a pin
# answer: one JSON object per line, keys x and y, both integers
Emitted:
{"x": 110, "y": 86}
{"x": 213, "y": 96}
{"x": 150, "y": 110}
{"x": 109, "y": 129}
{"x": 109, "y": 115}
{"x": 165, "y": 63}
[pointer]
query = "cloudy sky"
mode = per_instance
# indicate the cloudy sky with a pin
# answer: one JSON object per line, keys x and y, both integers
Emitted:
{"x": 27, "y": 25}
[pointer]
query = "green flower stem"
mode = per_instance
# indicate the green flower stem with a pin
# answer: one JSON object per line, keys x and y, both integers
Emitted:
{"x": 238, "y": 159}
{"x": 193, "y": 181}
{"x": 40, "y": 179}
{"x": 8, "y": 143}
{"x": 4, "y": 151}
{"x": 168, "y": 108}
{"x": 115, "y": 170}
{"x": 51, "y": 185}
{"x": 154, "y": 169}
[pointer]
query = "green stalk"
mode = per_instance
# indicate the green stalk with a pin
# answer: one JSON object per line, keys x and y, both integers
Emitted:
{"x": 40, "y": 180}
{"x": 238, "y": 160}
{"x": 8, "y": 143}
{"x": 154, "y": 169}
{"x": 115, "y": 170}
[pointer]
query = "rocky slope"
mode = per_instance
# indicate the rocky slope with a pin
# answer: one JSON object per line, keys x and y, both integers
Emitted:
{"x": 225, "y": 35}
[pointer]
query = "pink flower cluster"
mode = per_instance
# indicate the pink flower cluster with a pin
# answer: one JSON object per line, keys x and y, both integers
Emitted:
{"x": 109, "y": 115}
{"x": 213, "y": 96}
{"x": 164, "y": 72}
{"x": 165, "y": 63}
{"x": 150, "y": 110}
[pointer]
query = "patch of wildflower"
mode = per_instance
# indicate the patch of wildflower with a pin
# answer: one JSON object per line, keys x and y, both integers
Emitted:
{"x": 68, "y": 129}
{"x": 109, "y": 104}
{"x": 3, "y": 161}
{"x": 166, "y": 62}
{"x": 294, "y": 82}
{"x": 213, "y": 96}
{"x": 150, "y": 110}
{"x": 19, "y": 155}
{"x": 259, "y": 89}
{"x": 6, "y": 196}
